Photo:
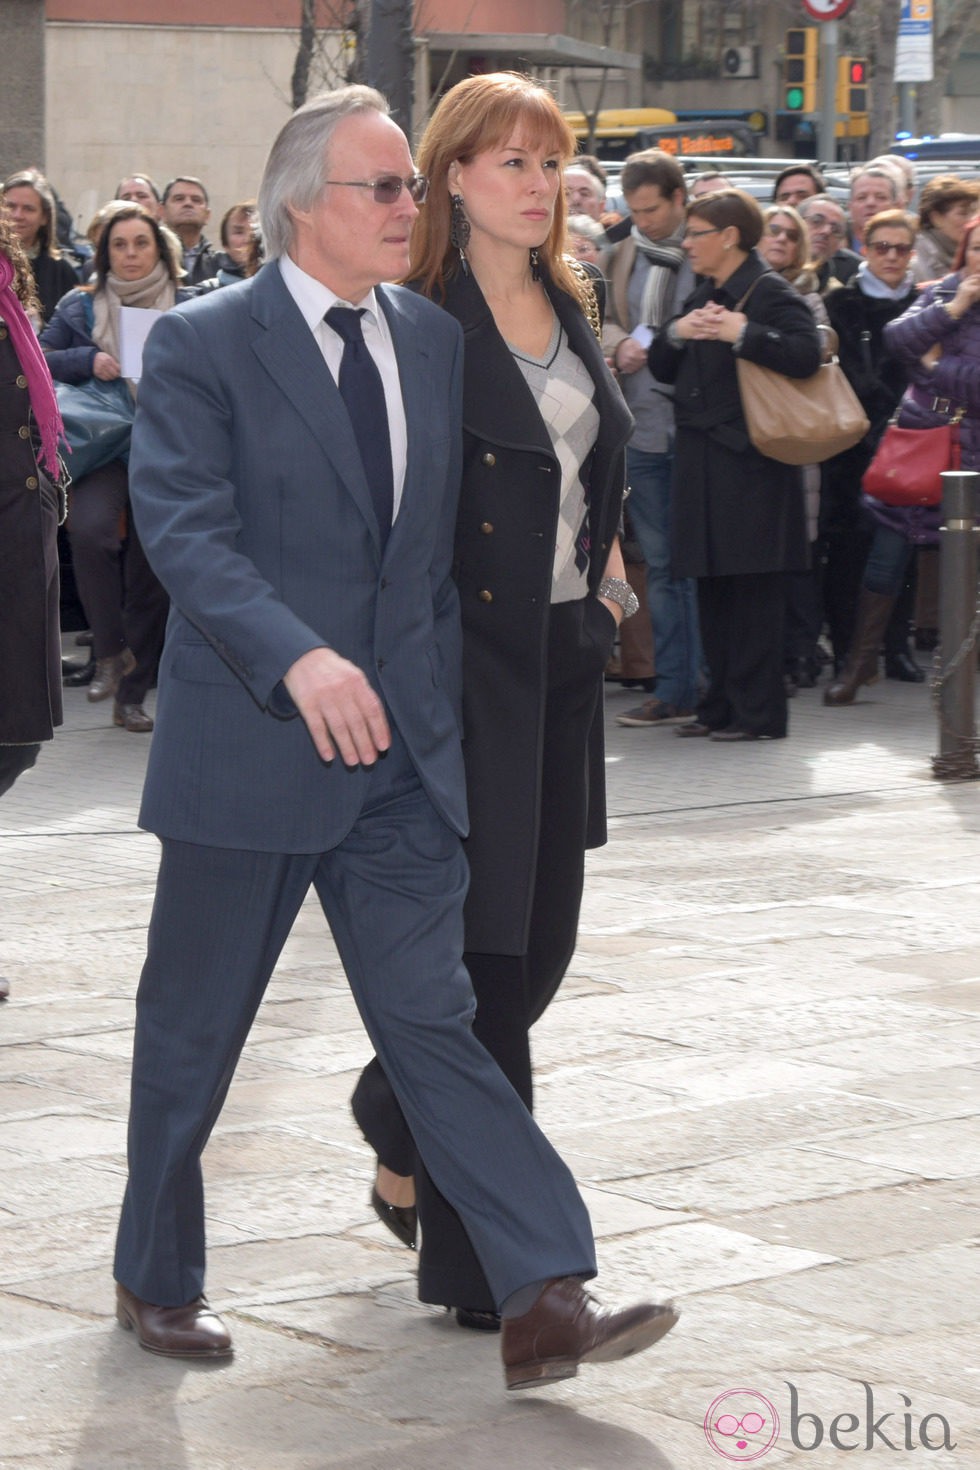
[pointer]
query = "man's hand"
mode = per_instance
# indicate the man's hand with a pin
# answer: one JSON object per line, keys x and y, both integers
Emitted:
{"x": 342, "y": 712}
{"x": 629, "y": 356}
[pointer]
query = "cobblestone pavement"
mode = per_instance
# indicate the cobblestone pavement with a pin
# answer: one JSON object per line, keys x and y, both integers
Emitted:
{"x": 762, "y": 1069}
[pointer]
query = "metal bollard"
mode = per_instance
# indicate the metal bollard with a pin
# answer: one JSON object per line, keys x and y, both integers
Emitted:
{"x": 954, "y": 679}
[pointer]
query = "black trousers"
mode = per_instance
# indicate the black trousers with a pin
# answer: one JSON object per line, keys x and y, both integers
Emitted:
{"x": 14, "y": 761}
{"x": 392, "y": 891}
{"x": 742, "y": 634}
{"x": 512, "y": 991}
{"x": 125, "y": 604}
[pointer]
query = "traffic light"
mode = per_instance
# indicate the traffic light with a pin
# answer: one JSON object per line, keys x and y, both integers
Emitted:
{"x": 857, "y": 84}
{"x": 852, "y": 97}
{"x": 800, "y": 70}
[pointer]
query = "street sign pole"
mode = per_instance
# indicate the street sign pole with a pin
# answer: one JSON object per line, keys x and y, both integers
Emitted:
{"x": 827, "y": 12}
{"x": 827, "y": 132}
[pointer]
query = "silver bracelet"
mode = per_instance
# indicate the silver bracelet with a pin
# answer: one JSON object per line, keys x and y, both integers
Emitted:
{"x": 616, "y": 590}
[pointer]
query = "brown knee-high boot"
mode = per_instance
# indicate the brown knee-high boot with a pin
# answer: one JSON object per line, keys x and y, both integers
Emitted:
{"x": 861, "y": 667}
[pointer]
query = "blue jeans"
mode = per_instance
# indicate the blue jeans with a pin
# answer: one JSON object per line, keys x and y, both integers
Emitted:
{"x": 888, "y": 562}
{"x": 673, "y": 600}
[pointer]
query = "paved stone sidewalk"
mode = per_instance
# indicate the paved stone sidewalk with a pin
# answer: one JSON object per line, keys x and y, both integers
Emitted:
{"x": 762, "y": 1068}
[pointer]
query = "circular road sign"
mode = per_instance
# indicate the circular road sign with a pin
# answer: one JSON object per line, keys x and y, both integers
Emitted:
{"x": 827, "y": 9}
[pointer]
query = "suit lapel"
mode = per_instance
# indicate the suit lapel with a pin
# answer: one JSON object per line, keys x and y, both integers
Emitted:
{"x": 415, "y": 376}
{"x": 288, "y": 351}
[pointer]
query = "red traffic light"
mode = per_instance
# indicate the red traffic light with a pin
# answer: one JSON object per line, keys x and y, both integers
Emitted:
{"x": 858, "y": 73}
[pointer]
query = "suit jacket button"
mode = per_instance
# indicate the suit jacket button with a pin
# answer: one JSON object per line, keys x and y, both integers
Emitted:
{"x": 381, "y": 664}
{"x": 23, "y": 432}
{"x": 486, "y": 596}
{"x": 31, "y": 482}
{"x": 20, "y": 380}
{"x": 487, "y": 528}
{"x": 489, "y": 460}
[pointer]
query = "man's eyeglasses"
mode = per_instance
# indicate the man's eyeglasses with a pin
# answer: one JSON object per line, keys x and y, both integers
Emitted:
{"x": 789, "y": 231}
{"x": 388, "y": 187}
{"x": 821, "y": 222}
{"x": 885, "y": 247}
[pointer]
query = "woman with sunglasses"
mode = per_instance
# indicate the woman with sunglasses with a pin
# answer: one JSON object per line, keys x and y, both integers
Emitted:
{"x": 933, "y": 342}
{"x": 881, "y": 291}
{"x": 542, "y": 589}
{"x": 785, "y": 247}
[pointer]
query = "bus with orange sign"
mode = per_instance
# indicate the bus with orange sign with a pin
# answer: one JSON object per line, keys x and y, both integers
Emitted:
{"x": 625, "y": 130}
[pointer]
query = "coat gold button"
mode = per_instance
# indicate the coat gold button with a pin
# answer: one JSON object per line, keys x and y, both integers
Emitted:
{"x": 23, "y": 432}
{"x": 3, "y": 334}
{"x": 20, "y": 380}
{"x": 489, "y": 460}
{"x": 487, "y": 528}
{"x": 486, "y": 596}
{"x": 31, "y": 482}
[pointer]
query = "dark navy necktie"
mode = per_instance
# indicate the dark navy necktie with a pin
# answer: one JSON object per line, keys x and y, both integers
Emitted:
{"x": 364, "y": 396}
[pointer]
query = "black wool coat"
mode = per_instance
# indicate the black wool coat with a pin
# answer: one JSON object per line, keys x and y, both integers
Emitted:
{"x": 505, "y": 541}
{"x": 735, "y": 512}
{"x": 879, "y": 379}
{"x": 30, "y": 638}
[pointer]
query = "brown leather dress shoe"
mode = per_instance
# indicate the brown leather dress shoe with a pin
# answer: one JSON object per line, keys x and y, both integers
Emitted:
{"x": 566, "y": 1326}
{"x": 191, "y": 1331}
{"x": 108, "y": 672}
{"x": 132, "y": 717}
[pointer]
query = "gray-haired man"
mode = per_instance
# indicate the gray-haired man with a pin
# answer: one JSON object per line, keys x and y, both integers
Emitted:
{"x": 308, "y": 734}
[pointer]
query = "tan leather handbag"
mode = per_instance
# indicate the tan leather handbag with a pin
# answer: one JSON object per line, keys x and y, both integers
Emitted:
{"x": 800, "y": 420}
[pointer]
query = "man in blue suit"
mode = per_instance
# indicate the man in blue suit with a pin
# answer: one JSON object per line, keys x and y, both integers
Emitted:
{"x": 308, "y": 733}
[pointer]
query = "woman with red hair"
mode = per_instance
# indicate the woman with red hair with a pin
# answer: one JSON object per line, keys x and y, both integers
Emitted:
{"x": 542, "y": 589}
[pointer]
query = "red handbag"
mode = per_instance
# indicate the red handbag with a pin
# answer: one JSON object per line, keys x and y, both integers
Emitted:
{"x": 908, "y": 463}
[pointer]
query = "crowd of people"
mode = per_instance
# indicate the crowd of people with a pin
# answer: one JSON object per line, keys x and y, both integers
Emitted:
{"x": 843, "y": 582}
{"x": 387, "y": 516}
{"x": 820, "y": 248}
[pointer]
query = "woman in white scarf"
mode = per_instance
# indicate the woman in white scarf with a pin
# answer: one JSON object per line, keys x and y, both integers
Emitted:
{"x": 136, "y": 265}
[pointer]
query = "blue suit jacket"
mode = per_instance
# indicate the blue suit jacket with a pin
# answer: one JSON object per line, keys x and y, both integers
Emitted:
{"x": 251, "y": 502}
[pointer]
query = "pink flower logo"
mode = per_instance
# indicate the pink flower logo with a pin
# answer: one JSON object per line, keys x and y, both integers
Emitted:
{"x": 741, "y": 1425}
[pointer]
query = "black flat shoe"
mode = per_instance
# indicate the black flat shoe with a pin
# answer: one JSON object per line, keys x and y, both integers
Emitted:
{"x": 401, "y": 1220}
{"x": 74, "y": 676}
{"x": 478, "y": 1321}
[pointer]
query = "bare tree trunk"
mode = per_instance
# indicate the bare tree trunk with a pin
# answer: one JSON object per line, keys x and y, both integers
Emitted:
{"x": 884, "y": 110}
{"x": 391, "y": 57}
{"x": 304, "y": 53}
{"x": 957, "y": 23}
{"x": 591, "y": 114}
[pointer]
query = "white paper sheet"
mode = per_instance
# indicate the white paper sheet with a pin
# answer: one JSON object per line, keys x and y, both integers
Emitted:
{"x": 134, "y": 328}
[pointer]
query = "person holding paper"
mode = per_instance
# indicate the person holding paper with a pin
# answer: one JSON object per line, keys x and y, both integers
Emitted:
{"x": 649, "y": 278}
{"x": 136, "y": 269}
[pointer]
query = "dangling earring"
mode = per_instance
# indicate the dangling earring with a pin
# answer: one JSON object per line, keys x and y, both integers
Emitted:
{"x": 535, "y": 265}
{"x": 459, "y": 230}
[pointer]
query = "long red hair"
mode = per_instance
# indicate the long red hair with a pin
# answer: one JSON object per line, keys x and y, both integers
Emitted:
{"x": 480, "y": 113}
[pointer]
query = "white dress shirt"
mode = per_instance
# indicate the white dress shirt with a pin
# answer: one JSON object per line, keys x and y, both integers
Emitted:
{"x": 314, "y": 300}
